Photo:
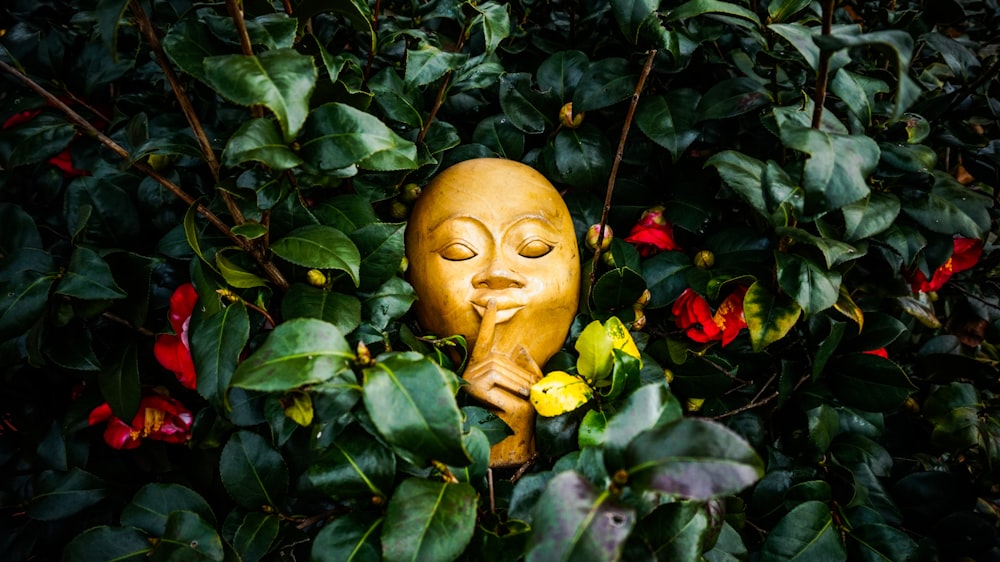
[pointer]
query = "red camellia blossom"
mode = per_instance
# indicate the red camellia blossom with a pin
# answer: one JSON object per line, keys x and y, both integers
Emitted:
{"x": 173, "y": 350}
{"x": 63, "y": 160}
{"x": 695, "y": 317}
{"x": 653, "y": 233}
{"x": 881, "y": 352}
{"x": 965, "y": 255}
{"x": 159, "y": 418}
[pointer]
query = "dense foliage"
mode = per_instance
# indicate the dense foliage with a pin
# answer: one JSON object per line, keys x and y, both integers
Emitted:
{"x": 205, "y": 342}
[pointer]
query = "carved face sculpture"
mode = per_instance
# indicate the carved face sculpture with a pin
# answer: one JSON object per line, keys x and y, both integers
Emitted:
{"x": 492, "y": 229}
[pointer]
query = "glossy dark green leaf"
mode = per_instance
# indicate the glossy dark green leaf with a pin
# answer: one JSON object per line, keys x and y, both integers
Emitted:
{"x": 676, "y": 531}
{"x": 281, "y": 80}
{"x": 305, "y": 301}
{"x": 320, "y": 247}
{"x": 381, "y": 248}
{"x": 428, "y": 63}
{"x": 250, "y": 230}
{"x": 692, "y": 458}
{"x": 351, "y": 538}
{"x": 188, "y": 43}
{"x": 694, "y": 8}
{"x": 769, "y": 317}
{"x": 235, "y": 275}
{"x": 102, "y": 212}
{"x": 428, "y": 520}
{"x": 299, "y": 352}
{"x": 582, "y": 157}
{"x": 868, "y": 382}
{"x": 801, "y": 37}
{"x": 575, "y": 521}
{"x": 495, "y": 429}
{"x": 252, "y": 471}
{"x": 216, "y": 344}
{"x": 732, "y": 97}
{"x": 354, "y": 466}
{"x": 836, "y": 172}
{"x": 783, "y": 9}
{"x": 17, "y": 230}
{"x": 813, "y": 287}
{"x": 561, "y": 73}
{"x": 669, "y": 119}
{"x": 120, "y": 385}
{"x": 121, "y": 544}
{"x": 426, "y": 423}
{"x": 154, "y": 502}
{"x": 618, "y": 288}
{"x": 870, "y": 216}
{"x": 630, "y": 14}
{"x": 853, "y": 448}
{"x": 258, "y": 140}
{"x": 665, "y": 277}
{"x": 805, "y": 533}
{"x": 606, "y": 82}
{"x": 62, "y": 494}
{"x": 834, "y": 251}
{"x": 255, "y": 535}
{"x": 39, "y": 139}
{"x": 189, "y": 537}
{"x": 339, "y": 136}
{"x": 939, "y": 211}
{"x": 649, "y": 406}
{"x": 346, "y": 213}
{"x": 389, "y": 302}
{"x": 495, "y": 20}
{"x": 88, "y": 277}
{"x": 24, "y": 290}
{"x": 879, "y": 542}
{"x": 499, "y": 135}
{"x": 742, "y": 173}
{"x": 526, "y": 107}
{"x": 274, "y": 31}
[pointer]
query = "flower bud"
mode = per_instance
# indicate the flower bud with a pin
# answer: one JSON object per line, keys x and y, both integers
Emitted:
{"x": 398, "y": 210}
{"x": 640, "y": 320}
{"x": 694, "y": 404}
{"x": 608, "y": 258}
{"x": 594, "y": 232}
{"x": 410, "y": 193}
{"x": 567, "y": 119}
{"x": 654, "y": 215}
{"x": 668, "y": 375}
{"x": 316, "y": 278}
{"x": 704, "y": 259}
{"x": 364, "y": 356}
{"x": 643, "y": 300}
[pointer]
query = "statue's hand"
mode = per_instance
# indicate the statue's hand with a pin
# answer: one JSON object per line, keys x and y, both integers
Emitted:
{"x": 497, "y": 379}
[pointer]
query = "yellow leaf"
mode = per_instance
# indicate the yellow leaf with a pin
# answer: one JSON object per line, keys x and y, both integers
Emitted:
{"x": 846, "y": 306}
{"x": 559, "y": 392}
{"x": 299, "y": 408}
{"x": 620, "y": 338}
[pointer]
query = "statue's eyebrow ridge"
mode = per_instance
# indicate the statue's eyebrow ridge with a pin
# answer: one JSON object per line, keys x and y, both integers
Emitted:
{"x": 462, "y": 216}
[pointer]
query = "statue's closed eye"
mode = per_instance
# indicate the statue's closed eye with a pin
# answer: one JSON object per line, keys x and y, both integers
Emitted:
{"x": 457, "y": 251}
{"x": 534, "y": 248}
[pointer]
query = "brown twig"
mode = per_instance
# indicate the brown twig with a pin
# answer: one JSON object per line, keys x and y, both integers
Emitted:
{"x": 524, "y": 467}
{"x": 287, "y": 5}
{"x": 823, "y": 71}
{"x": 236, "y": 13}
{"x": 115, "y": 318}
{"x": 270, "y": 270}
{"x": 614, "y": 166}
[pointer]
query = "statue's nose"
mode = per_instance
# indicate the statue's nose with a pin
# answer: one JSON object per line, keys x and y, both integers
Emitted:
{"x": 498, "y": 276}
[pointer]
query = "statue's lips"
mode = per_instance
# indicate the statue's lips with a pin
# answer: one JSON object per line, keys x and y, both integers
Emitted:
{"x": 506, "y": 309}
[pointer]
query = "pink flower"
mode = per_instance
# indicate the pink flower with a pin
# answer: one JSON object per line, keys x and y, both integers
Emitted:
{"x": 159, "y": 418}
{"x": 653, "y": 233}
{"x": 695, "y": 317}
{"x": 173, "y": 351}
{"x": 965, "y": 255}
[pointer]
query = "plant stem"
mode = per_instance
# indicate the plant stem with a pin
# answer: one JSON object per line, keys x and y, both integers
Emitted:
{"x": 823, "y": 71}
{"x": 439, "y": 100}
{"x": 614, "y": 166}
{"x": 236, "y": 13}
{"x": 371, "y": 46}
{"x": 270, "y": 270}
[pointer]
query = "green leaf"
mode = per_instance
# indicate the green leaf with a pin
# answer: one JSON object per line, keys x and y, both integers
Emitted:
{"x": 304, "y": 301}
{"x": 618, "y": 288}
{"x": 630, "y": 14}
{"x": 676, "y": 531}
{"x": 299, "y": 352}
{"x": 877, "y": 542}
{"x": 189, "y": 537}
{"x": 255, "y": 535}
{"x": 88, "y": 277}
{"x": 338, "y": 136}
{"x": 562, "y": 72}
{"x": 780, "y": 10}
{"x": 387, "y": 303}
{"x": 574, "y": 521}
{"x": 17, "y": 230}
{"x": 354, "y": 466}
{"x": 428, "y": 521}
{"x": 524, "y": 106}
{"x": 120, "y": 384}
{"x": 695, "y": 8}
{"x": 496, "y": 23}
{"x": 665, "y": 276}
{"x": 858, "y": 92}
{"x": 870, "y": 216}
{"x": 346, "y": 213}
{"x": 650, "y": 406}
{"x": 153, "y": 503}
{"x": 801, "y": 37}
{"x": 188, "y": 43}
{"x": 24, "y": 290}
{"x": 836, "y": 172}
{"x": 834, "y": 251}
{"x": 732, "y": 97}
{"x": 669, "y": 119}
{"x": 250, "y": 230}
{"x": 350, "y": 538}
{"x": 582, "y": 157}
{"x": 258, "y": 140}
{"x": 805, "y": 533}
{"x": 814, "y": 288}
{"x": 939, "y": 212}
{"x": 381, "y": 248}
{"x": 281, "y": 80}
{"x": 426, "y": 424}
{"x": 606, "y": 82}
{"x": 216, "y": 345}
{"x": 60, "y": 495}
{"x": 495, "y": 429}
{"x": 499, "y": 135}
{"x": 596, "y": 358}
{"x": 236, "y": 276}
{"x": 769, "y": 317}
{"x": 101, "y": 212}
{"x": 320, "y": 247}
{"x": 692, "y": 458}
{"x": 109, "y": 543}
{"x": 868, "y": 382}
{"x": 39, "y": 139}
{"x": 252, "y": 471}
{"x": 744, "y": 174}
{"x": 427, "y": 63}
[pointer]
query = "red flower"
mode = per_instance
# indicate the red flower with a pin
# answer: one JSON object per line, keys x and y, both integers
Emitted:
{"x": 173, "y": 350}
{"x": 63, "y": 160}
{"x": 159, "y": 418}
{"x": 881, "y": 352}
{"x": 694, "y": 316}
{"x": 653, "y": 233}
{"x": 966, "y": 254}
